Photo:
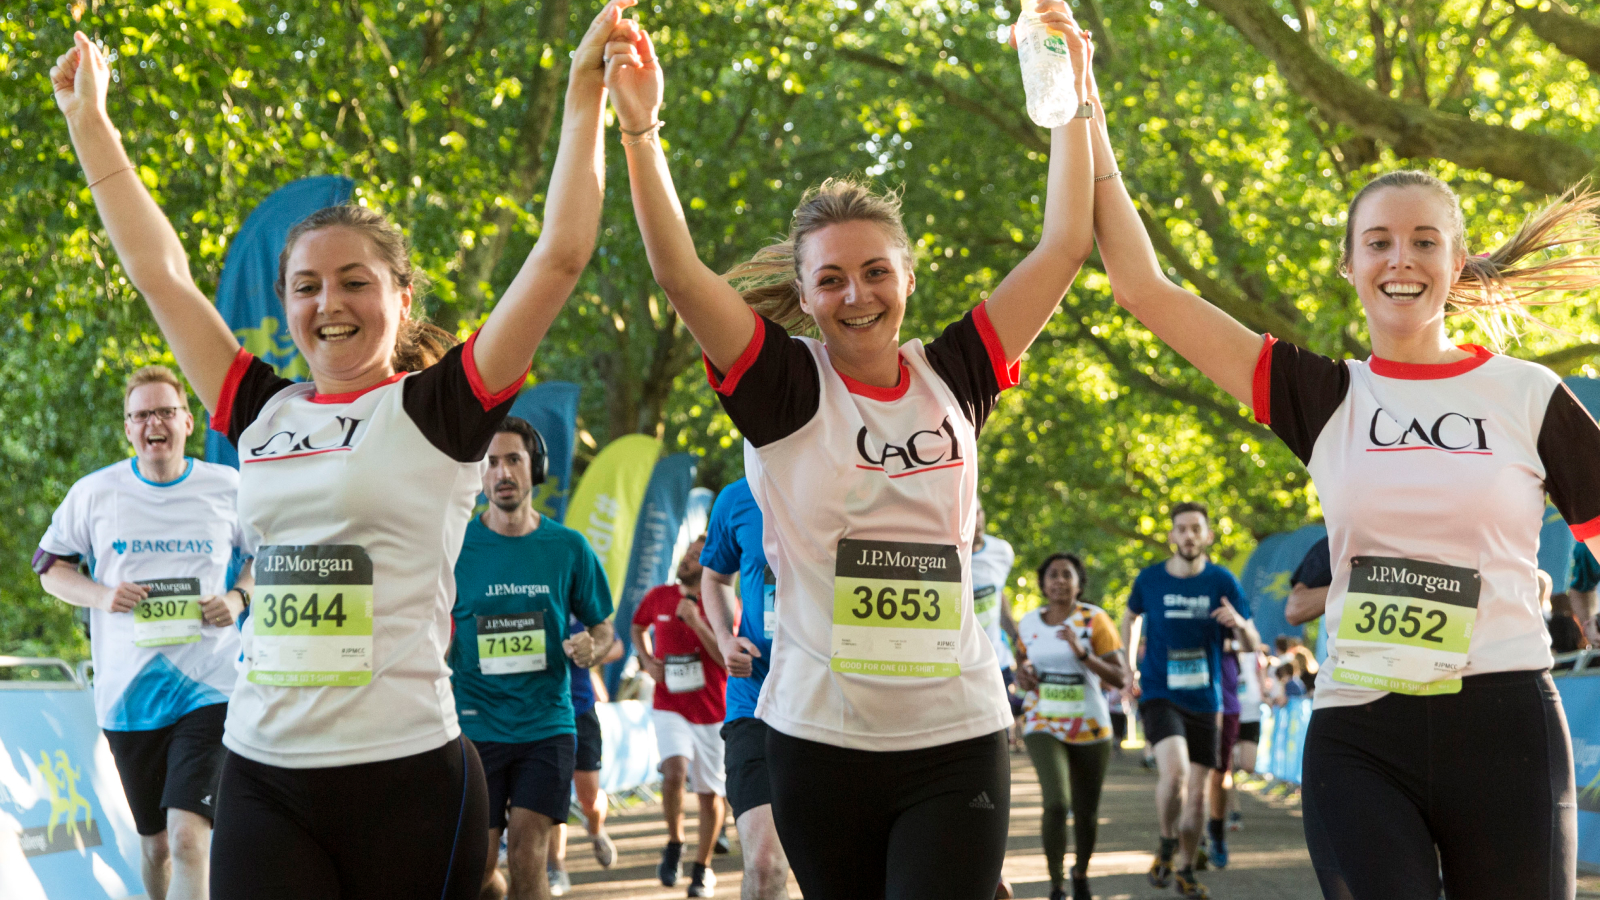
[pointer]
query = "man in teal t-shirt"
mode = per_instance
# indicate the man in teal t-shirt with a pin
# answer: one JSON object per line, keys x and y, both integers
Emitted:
{"x": 518, "y": 578}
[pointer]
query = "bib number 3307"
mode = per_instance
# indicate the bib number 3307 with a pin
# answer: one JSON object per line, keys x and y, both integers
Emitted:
{"x": 897, "y": 609}
{"x": 312, "y": 616}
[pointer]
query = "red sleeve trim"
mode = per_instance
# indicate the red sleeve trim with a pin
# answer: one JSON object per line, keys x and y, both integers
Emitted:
{"x": 1586, "y": 530}
{"x": 486, "y": 398}
{"x": 729, "y": 382}
{"x": 1261, "y": 385}
{"x": 223, "y": 416}
{"x": 1006, "y": 372}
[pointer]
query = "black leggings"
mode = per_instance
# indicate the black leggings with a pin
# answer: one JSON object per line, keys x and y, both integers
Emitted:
{"x": 1069, "y": 774}
{"x": 1478, "y": 784}
{"x": 415, "y": 828}
{"x": 863, "y": 825}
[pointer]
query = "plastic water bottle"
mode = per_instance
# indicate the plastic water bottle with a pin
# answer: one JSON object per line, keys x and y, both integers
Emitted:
{"x": 1046, "y": 72}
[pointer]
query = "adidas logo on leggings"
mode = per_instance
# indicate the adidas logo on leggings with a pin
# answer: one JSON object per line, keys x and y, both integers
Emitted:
{"x": 981, "y": 801}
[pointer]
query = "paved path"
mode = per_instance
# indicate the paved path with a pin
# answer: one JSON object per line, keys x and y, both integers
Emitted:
{"x": 1269, "y": 856}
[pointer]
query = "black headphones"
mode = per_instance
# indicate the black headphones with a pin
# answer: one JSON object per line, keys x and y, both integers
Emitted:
{"x": 539, "y": 462}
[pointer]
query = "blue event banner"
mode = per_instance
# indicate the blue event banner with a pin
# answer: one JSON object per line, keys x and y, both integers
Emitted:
{"x": 551, "y": 407}
{"x": 1267, "y": 577}
{"x": 655, "y": 538}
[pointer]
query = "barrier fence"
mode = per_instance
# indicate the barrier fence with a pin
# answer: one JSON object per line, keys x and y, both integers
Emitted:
{"x": 1283, "y": 729}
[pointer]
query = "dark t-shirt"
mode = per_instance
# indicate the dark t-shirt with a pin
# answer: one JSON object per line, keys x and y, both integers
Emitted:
{"x": 1316, "y": 569}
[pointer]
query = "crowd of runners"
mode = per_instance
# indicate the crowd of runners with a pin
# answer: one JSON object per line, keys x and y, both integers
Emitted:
{"x": 324, "y": 675}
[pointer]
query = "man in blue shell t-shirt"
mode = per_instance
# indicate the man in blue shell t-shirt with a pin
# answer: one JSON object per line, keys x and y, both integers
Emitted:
{"x": 518, "y": 578}
{"x": 1191, "y": 606}
{"x": 733, "y": 545}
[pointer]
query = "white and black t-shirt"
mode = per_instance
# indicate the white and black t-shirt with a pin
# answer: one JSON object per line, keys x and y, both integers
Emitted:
{"x": 347, "y": 497}
{"x": 991, "y": 568}
{"x": 161, "y": 661}
{"x": 868, "y": 498}
{"x": 1447, "y": 465}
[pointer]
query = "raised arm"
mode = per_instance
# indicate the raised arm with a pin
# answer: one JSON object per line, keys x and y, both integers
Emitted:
{"x": 1210, "y": 339}
{"x": 1029, "y": 295}
{"x": 145, "y": 241}
{"x": 529, "y": 305}
{"x": 714, "y": 312}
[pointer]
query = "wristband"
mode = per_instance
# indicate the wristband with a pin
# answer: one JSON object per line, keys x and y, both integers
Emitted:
{"x": 126, "y": 168}
{"x": 243, "y": 595}
{"x": 1111, "y": 174}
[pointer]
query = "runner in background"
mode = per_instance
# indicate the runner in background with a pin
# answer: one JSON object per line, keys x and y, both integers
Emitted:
{"x": 157, "y": 534}
{"x": 1191, "y": 606}
{"x": 586, "y": 691}
{"x": 1072, "y": 656}
{"x": 992, "y": 559}
{"x": 1220, "y": 781}
{"x": 733, "y": 548}
{"x": 861, "y": 451}
{"x": 1251, "y": 666}
{"x": 520, "y": 577}
{"x": 1308, "y": 591}
{"x": 676, "y": 646}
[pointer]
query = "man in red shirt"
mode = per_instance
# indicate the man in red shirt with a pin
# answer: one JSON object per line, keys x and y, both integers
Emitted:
{"x": 690, "y": 700}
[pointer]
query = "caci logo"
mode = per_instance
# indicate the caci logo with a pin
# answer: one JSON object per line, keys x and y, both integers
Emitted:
{"x": 923, "y": 451}
{"x": 1452, "y": 432}
{"x": 338, "y": 434}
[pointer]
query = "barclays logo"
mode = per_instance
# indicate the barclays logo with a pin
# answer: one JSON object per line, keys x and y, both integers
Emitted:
{"x": 162, "y": 546}
{"x": 119, "y": 546}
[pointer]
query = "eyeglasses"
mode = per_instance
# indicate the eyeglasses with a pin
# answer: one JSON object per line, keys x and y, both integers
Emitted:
{"x": 162, "y": 413}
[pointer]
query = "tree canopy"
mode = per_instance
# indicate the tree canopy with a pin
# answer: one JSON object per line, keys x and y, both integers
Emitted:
{"x": 1243, "y": 128}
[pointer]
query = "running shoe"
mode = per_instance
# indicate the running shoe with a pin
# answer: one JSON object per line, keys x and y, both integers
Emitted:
{"x": 559, "y": 882}
{"x": 704, "y": 882}
{"x": 1188, "y": 888}
{"x": 722, "y": 848}
{"x": 1218, "y": 852}
{"x": 1160, "y": 872}
{"x": 605, "y": 850}
{"x": 1200, "y": 859}
{"x": 1235, "y": 821}
{"x": 1058, "y": 894}
{"x": 1080, "y": 888}
{"x": 667, "y": 871}
{"x": 1002, "y": 891}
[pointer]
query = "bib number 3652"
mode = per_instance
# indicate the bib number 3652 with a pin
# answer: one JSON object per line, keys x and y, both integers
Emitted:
{"x": 1407, "y": 625}
{"x": 896, "y": 609}
{"x": 312, "y": 616}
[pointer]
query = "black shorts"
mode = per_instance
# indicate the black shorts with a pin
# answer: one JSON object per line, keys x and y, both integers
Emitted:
{"x": 1476, "y": 787}
{"x": 903, "y": 824}
{"x": 745, "y": 761}
{"x": 536, "y": 776}
{"x": 1249, "y": 732}
{"x": 176, "y": 767}
{"x": 416, "y": 826}
{"x": 1226, "y": 739}
{"x": 1163, "y": 719}
{"x": 589, "y": 744}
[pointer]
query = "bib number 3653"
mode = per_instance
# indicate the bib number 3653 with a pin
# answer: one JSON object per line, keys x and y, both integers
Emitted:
{"x": 169, "y": 613}
{"x": 312, "y": 616}
{"x": 1407, "y": 625}
{"x": 897, "y": 609}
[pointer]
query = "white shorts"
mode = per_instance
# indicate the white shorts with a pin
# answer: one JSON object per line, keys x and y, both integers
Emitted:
{"x": 701, "y": 745}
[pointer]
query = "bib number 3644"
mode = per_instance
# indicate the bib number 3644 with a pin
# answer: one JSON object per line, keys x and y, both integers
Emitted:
{"x": 312, "y": 616}
{"x": 1407, "y": 625}
{"x": 896, "y": 609}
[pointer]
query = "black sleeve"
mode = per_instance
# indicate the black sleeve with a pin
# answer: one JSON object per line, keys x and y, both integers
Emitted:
{"x": 968, "y": 358}
{"x": 1295, "y": 393}
{"x": 1569, "y": 447}
{"x": 773, "y": 389}
{"x": 1316, "y": 570}
{"x": 450, "y": 405}
{"x": 249, "y": 384}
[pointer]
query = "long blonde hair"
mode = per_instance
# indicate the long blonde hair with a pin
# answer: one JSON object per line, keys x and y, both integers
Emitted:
{"x": 1496, "y": 288}
{"x": 769, "y": 281}
{"x": 419, "y": 343}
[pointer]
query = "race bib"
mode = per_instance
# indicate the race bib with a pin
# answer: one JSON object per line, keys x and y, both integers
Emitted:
{"x": 170, "y": 614}
{"x": 769, "y": 603}
{"x": 685, "y": 673}
{"x": 1406, "y": 625}
{"x": 986, "y": 606}
{"x": 509, "y": 644}
{"x": 1061, "y": 696}
{"x": 313, "y": 616}
{"x": 897, "y": 609}
{"x": 1187, "y": 670}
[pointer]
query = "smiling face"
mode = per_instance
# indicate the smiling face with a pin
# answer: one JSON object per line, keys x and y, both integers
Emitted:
{"x": 508, "y": 482}
{"x": 854, "y": 281}
{"x": 343, "y": 306}
{"x": 1061, "y": 582}
{"x": 156, "y": 441}
{"x": 1404, "y": 259}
